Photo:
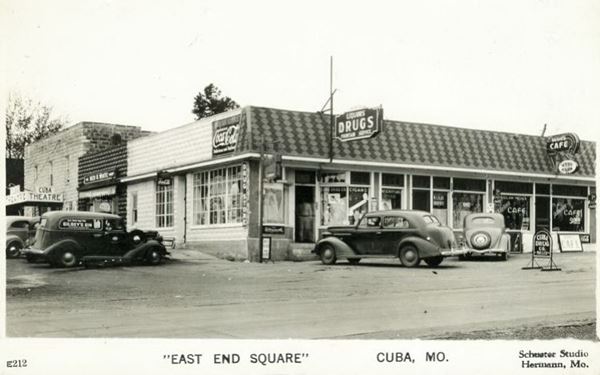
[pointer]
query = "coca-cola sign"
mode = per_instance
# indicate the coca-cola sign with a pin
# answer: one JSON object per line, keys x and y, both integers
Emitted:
{"x": 225, "y": 135}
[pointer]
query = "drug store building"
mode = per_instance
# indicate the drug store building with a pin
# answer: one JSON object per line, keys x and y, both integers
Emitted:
{"x": 199, "y": 182}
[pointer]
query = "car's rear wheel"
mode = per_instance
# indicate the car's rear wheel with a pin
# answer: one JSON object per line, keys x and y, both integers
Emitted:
{"x": 434, "y": 262}
{"x": 327, "y": 254}
{"x": 13, "y": 249}
{"x": 67, "y": 258}
{"x": 353, "y": 260}
{"x": 153, "y": 256}
{"x": 409, "y": 256}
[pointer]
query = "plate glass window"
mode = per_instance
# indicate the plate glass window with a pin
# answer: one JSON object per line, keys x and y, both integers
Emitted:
{"x": 164, "y": 206}
{"x": 218, "y": 196}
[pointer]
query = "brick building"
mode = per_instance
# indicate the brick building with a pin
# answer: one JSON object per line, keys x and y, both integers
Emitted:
{"x": 52, "y": 164}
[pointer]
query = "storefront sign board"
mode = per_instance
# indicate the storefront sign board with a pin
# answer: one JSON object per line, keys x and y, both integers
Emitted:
{"x": 31, "y": 197}
{"x": 273, "y": 229}
{"x": 359, "y": 124}
{"x": 542, "y": 244}
{"x": 99, "y": 177}
{"x": 567, "y": 142}
{"x": 568, "y": 167}
{"x": 569, "y": 243}
{"x": 225, "y": 135}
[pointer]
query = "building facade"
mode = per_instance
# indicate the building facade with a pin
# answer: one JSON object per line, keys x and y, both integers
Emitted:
{"x": 199, "y": 182}
{"x": 52, "y": 164}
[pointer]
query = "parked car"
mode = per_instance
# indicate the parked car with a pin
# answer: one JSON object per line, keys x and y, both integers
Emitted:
{"x": 20, "y": 230}
{"x": 409, "y": 235}
{"x": 485, "y": 234}
{"x": 71, "y": 238}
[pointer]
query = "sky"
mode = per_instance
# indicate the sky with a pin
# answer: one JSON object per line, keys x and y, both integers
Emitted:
{"x": 497, "y": 65}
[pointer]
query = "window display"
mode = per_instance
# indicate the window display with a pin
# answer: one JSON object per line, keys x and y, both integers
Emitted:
{"x": 515, "y": 209}
{"x": 273, "y": 203}
{"x": 440, "y": 206}
{"x": 568, "y": 214}
{"x": 464, "y": 204}
{"x": 391, "y": 199}
{"x": 218, "y": 196}
{"x": 334, "y": 205}
{"x": 358, "y": 202}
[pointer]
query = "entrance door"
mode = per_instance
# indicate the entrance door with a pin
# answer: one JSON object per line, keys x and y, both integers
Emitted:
{"x": 305, "y": 213}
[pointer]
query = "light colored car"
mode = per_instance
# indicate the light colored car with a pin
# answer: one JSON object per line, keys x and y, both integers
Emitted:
{"x": 485, "y": 234}
{"x": 20, "y": 231}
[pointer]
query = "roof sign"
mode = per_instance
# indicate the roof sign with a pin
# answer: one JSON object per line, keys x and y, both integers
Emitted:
{"x": 359, "y": 124}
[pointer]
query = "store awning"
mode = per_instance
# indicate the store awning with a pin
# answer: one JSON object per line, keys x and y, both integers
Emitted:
{"x": 102, "y": 192}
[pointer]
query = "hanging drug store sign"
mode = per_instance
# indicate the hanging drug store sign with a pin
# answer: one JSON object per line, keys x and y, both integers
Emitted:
{"x": 359, "y": 124}
{"x": 225, "y": 135}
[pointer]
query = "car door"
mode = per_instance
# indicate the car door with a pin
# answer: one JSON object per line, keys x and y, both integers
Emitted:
{"x": 394, "y": 229}
{"x": 363, "y": 238}
{"x": 115, "y": 237}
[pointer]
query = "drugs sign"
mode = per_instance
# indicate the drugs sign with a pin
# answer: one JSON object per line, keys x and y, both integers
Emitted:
{"x": 542, "y": 244}
{"x": 359, "y": 124}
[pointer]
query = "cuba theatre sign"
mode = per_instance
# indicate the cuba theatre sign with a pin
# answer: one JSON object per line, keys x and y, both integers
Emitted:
{"x": 358, "y": 124}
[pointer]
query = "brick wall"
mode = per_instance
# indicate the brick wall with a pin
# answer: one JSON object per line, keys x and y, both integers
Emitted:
{"x": 58, "y": 154}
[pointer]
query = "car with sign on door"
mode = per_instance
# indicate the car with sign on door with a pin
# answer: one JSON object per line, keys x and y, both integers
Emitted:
{"x": 485, "y": 235}
{"x": 72, "y": 238}
{"x": 410, "y": 235}
{"x": 20, "y": 231}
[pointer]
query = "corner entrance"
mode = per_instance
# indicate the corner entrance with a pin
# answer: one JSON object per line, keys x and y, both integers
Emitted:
{"x": 305, "y": 214}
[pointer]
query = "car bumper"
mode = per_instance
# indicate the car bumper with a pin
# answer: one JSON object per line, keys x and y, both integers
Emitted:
{"x": 487, "y": 251}
{"x": 454, "y": 252}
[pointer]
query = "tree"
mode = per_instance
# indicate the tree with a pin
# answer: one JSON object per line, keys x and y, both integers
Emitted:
{"x": 26, "y": 122}
{"x": 210, "y": 102}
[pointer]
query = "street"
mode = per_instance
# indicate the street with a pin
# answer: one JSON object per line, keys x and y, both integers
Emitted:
{"x": 198, "y": 296}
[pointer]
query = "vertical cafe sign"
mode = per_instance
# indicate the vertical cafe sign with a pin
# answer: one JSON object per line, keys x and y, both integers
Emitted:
{"x": 359, "y": 124}
{"x": 225, "y": 135}
{"x": 565, "y": 146}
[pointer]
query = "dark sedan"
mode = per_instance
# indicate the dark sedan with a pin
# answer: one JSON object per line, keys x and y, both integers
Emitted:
{"x": 409, "y": 235}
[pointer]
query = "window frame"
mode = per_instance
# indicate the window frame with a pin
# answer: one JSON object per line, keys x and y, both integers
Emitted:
{"x": 168, "y": 192}
{"x": 202, "y": 187}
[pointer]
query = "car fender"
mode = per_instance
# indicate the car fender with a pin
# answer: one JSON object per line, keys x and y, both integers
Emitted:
{"x": 67, "y": 243}
{"x": 141, "y": 249}
{"x": 12, "y": 238}
{"x": 505, "y": 242}
{"x": 425, "y": 248}
{"x": 342, "y": 250}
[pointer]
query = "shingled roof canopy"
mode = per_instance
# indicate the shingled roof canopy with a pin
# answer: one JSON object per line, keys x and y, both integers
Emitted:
{"x": 306, "y": 134}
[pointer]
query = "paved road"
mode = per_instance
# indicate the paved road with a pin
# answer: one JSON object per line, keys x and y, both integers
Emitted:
{"x": 203, "y": 297}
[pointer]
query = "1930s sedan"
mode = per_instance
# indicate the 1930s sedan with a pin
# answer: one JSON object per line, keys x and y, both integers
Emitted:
{"x": 71, "y": 238}
{"x": 409, "y": 235}
{"x": 20, "y": 230}
{"x": 485, "y": 234}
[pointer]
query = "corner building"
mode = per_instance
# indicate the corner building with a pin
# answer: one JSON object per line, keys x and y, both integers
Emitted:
{"x": 199, "y": 182}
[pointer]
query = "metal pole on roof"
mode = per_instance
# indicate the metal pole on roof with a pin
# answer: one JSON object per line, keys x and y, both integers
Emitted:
{"x": 331, "y": 118}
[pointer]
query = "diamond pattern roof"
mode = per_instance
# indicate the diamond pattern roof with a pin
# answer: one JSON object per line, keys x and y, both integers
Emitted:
{"x": 306, "y": 134}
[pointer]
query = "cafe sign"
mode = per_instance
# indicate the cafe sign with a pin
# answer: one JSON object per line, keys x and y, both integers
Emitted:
{"x": 225, "y": 135}
{"x": 359, "y": 124}
{"x": 563, "y": 143}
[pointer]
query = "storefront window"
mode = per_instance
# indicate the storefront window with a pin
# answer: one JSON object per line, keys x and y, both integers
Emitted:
{"x": 515, "y": 209}
{"x": 464, "y": 204}
{"x": 273, "y": 204}
{"x": 568, "y": 214}
{"x": 164, "y": 205}
{"x": 440, "y": 206}
{"x": 358, "y": 203}
{"x": 391, "y": 191}
{"x": 333, "y": 177}
{"x": 334, "y": 202}
{"x": 469, "y": 184}
{"x": 420, "y": 200}
{"x": 218, "y": 196}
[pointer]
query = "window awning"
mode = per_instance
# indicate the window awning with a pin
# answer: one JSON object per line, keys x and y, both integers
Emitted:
{"x": 95, "y": 193}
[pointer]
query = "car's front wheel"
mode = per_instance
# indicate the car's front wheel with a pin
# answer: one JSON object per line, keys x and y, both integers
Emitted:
{"x": 153, "y": 256}
{"x": 327, "y": 254}
{"x": 434, "y": 262}
{"x": 13, "y": 249}
{"x": 66, "y": 258}
{"x": 409, "y": 256}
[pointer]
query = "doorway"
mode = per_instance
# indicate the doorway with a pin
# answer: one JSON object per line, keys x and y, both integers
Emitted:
{"x": 305, "y": 214}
